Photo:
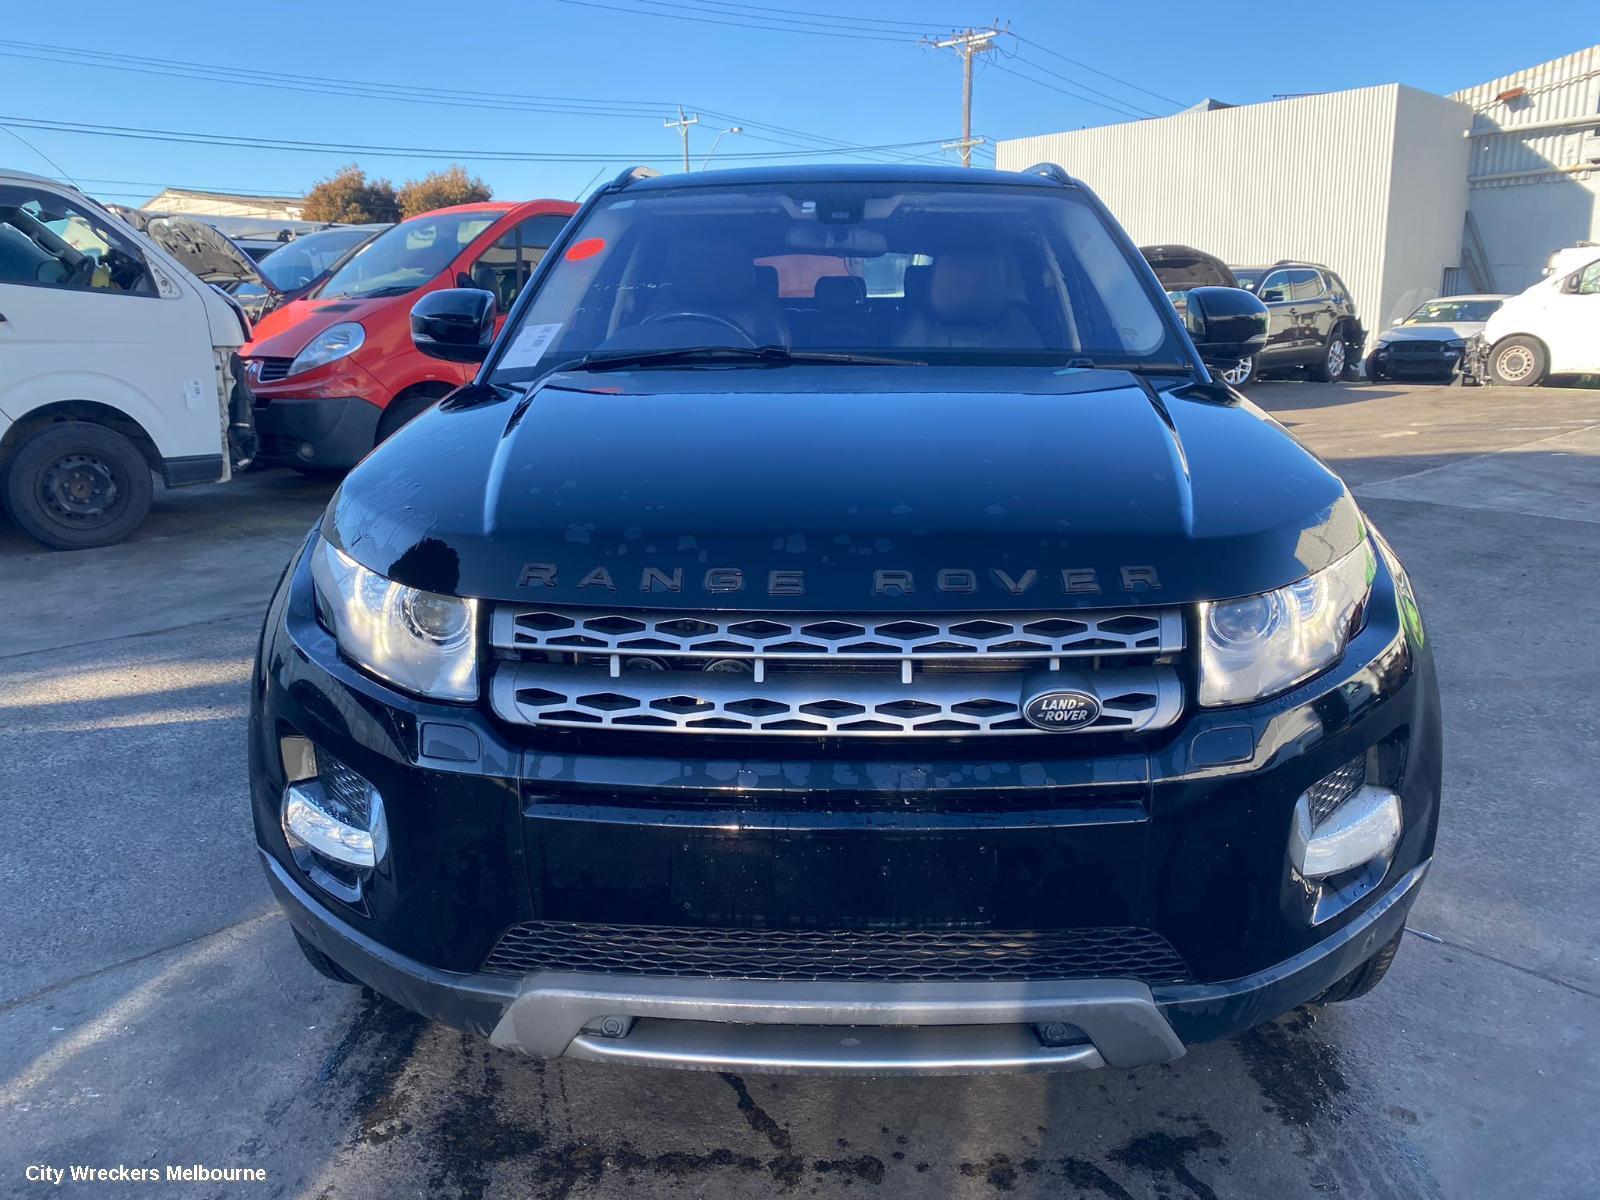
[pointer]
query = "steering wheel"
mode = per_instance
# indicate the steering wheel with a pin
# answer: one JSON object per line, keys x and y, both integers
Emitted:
{"x": 81, "y": 273}
{"x": 684, "y": 314}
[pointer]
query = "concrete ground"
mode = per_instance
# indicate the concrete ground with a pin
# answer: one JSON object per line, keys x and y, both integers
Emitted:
{"x": 154, "y": 1011}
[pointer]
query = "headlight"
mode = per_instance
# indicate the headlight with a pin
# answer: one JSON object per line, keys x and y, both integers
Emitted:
{"x": 1259, "y": 645}
{"x": 1457, "y": 343}
{"x": 420, "y": 641}
{"x": 335, "y": 341}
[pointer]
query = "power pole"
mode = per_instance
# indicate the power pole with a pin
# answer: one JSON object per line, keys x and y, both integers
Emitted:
{"x": 682, "y": 126}
{"x": 966, "y": 43}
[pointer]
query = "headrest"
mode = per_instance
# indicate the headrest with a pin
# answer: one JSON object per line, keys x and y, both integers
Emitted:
{"x": 968, "y": 286}
{"x": 840, "y": 291}
{"x": 917, "y": 281}
{"x": 712, "y": 274}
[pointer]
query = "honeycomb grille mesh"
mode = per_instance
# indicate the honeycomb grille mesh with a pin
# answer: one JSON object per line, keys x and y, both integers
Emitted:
{"x": 1333, "y": 789}
{"x": 834, "y": 955}
{"x": 763, "y": 635}
{"x": 832, "y": 676}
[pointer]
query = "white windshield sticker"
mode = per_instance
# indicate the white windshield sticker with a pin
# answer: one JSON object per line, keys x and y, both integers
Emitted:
{"x": 532, "y": 341}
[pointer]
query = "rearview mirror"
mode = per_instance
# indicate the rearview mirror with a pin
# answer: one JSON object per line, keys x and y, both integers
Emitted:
{"x": 1227, "y": 324}
{"x": 456, "y": 324}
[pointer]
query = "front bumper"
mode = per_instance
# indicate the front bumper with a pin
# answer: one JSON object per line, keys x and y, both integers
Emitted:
{"x": 831, "y": 1027}
{"x": 1418, "y": 359}
{"x": 326, "y": 434}
{"x": 494, "y": 828}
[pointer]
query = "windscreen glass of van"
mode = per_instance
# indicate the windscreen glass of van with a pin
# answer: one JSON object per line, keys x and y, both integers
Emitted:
{"x": 944, "y": 274}
{"x": 46, "y": 239}
{"x": 407, "y": 256}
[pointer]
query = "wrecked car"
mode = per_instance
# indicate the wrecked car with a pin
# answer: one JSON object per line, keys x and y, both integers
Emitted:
{"x": 115, "y": 364}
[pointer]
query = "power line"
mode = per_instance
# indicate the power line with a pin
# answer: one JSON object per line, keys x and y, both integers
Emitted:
{"x": 1093, "y": 91}
{"x": 245, "y": 142}
{"x": 1075, "y": 95}
{"x": 1096, "y": 70}
{"x": 766, "y": 27}
{"x": 848, "y": 18}
{"x": 416, "y": 94}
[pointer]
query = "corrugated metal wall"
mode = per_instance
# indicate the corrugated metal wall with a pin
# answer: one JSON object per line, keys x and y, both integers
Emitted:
{"x": 1346, "y": 178}
{"x": 1532, "y": 188}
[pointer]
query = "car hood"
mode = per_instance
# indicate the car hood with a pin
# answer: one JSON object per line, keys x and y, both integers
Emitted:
{"x": 844, "y": 488}
{"x": 285, "y": 330}
{"x": 206, "y": 253}
{"x": 1433, "y": 331}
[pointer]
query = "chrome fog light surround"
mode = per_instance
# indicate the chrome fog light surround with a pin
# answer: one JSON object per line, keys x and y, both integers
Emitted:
{"x": 1362, "y": 828}
{"x": 320, "y": 821}
{"x": 306, "y": 820}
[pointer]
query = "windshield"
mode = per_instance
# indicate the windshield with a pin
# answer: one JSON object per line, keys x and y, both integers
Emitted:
{"x": 1451, "y": 311}
{"x": 1249, "y": 277}
{"x": 407, "y": 256}
{"x": 962, "y": 273}
{"x": 301, "y": 261}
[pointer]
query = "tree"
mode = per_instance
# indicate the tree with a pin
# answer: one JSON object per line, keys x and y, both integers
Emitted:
{"x": 349, "y": 196}
{"x": 442, "y": 189}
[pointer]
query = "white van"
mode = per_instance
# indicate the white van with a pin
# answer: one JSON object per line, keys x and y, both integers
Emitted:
{"x": 115, "y": 363}
{"x": 1553, "y": 328}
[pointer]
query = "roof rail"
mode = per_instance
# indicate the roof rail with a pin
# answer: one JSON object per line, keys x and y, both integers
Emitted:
{"x": 1053, "y": 172}
{"x": 633, "y": 173}
{"x": 1301, "y": 262}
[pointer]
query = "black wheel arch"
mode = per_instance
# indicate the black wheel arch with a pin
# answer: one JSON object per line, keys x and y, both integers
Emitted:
{"x": 90, "y": 412}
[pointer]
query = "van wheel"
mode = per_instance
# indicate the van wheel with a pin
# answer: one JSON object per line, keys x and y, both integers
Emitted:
{"x": 1331, "y": 367}
{"x": 1518, "y": 362}
{"x": 75, "y": 485}
{"x": 1365, "y": 977}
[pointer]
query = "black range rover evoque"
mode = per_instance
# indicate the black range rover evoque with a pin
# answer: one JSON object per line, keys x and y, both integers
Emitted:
{"x": 845, "y": 627}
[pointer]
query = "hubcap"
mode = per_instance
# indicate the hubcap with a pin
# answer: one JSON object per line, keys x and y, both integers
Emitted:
{"x": 1336, "y": 359}
{"x": 1513, "y": 364}
{"x": 80, "y": 488}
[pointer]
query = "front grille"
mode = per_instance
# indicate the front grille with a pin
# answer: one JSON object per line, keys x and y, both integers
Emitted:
{"x": 755, "y": 673}
{"x": 882, "y": 955}
{"x": 1333, "y": 789}
{"x": 268, "y": 370}
{"x": 1415, "y": 348}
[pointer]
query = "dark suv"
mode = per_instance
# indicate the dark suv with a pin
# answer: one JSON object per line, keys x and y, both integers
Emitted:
{"x": 1312, "y": 322}
{"x": 844, "y": 627}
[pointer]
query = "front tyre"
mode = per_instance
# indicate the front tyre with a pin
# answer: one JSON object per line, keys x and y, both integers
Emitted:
{"x": 75, "y": 485}
{"x": 1518, "y": 362}
{"x": 1242, "y": 375}
{"x": 1330, "y": 369}
{"x": 1365, "y": 977}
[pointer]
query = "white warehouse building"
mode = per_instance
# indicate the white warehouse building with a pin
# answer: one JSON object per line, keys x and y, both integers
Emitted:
{"x": 1406, "y": 194}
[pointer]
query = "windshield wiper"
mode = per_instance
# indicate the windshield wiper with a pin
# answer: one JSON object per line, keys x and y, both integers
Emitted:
{"x": 1134, "y": 366}
{"x": 760, "y": 355}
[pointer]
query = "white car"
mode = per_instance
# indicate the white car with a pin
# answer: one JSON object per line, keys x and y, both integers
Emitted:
{"x": 1553, "y": 328}
{"x": 1431, "y": 341}
{"x": 116, "y": 363}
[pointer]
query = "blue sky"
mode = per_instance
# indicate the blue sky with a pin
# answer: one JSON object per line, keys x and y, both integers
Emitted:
{"x": 860, "y": 78}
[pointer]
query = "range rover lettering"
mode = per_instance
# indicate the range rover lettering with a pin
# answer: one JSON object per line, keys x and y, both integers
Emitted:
{"x": 845, "y": 627}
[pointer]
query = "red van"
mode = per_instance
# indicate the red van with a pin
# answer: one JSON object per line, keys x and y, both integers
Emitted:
{"x": 336, "y": 373}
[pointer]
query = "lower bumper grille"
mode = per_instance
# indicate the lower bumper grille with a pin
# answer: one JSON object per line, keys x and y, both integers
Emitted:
{"x": 865, "y": 955}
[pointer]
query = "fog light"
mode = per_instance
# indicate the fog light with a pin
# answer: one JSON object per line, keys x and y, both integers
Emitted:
{"x": 1362, "y": 827}
{"x": 307, "y": 821}
{"x": 329, "y": 809}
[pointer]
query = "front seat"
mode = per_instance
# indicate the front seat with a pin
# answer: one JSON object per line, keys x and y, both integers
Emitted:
{"x": 722, "y": 281}
{"x": 968, "y": 306}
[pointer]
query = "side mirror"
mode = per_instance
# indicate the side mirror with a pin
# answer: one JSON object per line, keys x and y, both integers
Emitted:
{"x": 456, "y": 324}
{"x": 1227, "y": 324}
{"x": 1274, "y": 296}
